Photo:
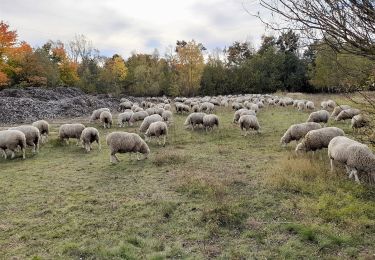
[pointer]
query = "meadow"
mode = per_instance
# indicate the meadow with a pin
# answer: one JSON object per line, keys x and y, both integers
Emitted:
{"x": 204, "y": 195}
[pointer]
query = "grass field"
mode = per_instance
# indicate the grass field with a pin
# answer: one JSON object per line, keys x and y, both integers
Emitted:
{"x": 203, "y": 195}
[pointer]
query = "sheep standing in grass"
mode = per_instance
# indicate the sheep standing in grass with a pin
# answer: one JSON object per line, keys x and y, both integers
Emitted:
{"x": 318, "y": 139}
{"x": 96, "y": 114}
{"x": 310, "y": 105}
{"x": 347, "y": 114}
{"x": 324, "y": 105}
{"x": 301, "y": 105}
{"x": 248, "y": 122}
{"x": 67, "y": 131}
{"x": 123, "y": 142}
{"x": 167, "y": 116}
{"x": 331, "y": 104}
{"x": 242, "y": 111}
{"x": 359, "y": 121}
{"x": 298, "y": 131}
{"x": 210, "y": 121}
{"x": 148, "y": 120}
{"x": 126, "y": 105}
{"x": 356, "y": 156}
{"x": 88, "y": 136}
{"x": 194, "y": 119}
{"x": 124, "y": 118}
{"x": 138, "y": 116}
{"x": 338, "y": 109}
{"x": 106, "y": 119}
{"x": 43, "y": 127}
{"x": 11, "y": 140}
{"x": 319, "y": 116}
{"x": 32, "y": 135}
{"x": 157, "y": 129}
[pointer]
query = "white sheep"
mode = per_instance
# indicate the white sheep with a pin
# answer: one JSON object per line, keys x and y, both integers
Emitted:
{"x": 138, "y": 116}
{"x": 324, "y": 105}
{"x": 167, "y": 116}
{"x": 194, "y": 119}
{"x": 356, "y": 156}
{"x": 126, "y": 105}
{"x": 157, "y": 129}
{"x": 43, "y": 127}
{"x": 210, "y": 121}
{"x": 124, "y": 118}
{"x": 359, "y": 121}
{"x": 67, "y": 131}
{"x": 207, "y": 107}
{"x": 88, "y": 136}
{"x": 123, "y": 142}
{"x": 298, "y": 131}
{"x": 248, "y": 122}
{"x": 319, "y": 116}
{"x": 11, "y": 140}
{"x": 301, "y": 105}
{"x": 338, "y": 109}
{"x": 32, "y": 135}
{"x": 106, "y": 119}
{"x": 331, "y": 103}
{"x": 347, "y": 114}
{"x": 148, "y": 120}
{"x": 318, "y": 139}
{"x": 96, "y": 114}
{"x": 310, "y": 105}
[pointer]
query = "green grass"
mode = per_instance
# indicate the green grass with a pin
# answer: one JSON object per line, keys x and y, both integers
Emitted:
{"x": 203, "y": 195}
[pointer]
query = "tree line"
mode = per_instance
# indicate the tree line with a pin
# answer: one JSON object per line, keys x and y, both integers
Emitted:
{"x": 281, "y": 63}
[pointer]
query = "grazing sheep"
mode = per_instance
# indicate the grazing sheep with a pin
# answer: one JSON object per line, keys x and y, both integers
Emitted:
{"x": 157, "y": 129}
{"x": 248, "y": 122}
{"x": 301, "y": 105}
{"x": 106, "y": 119}
{"x": 210, "y": 121}
{"x": 298, "y": 131}
{"x": 148, "y": 120}
{"x": 338, "y": 109}
{"x": 88, "y": 136}
{"x": 195, "y": 108}
{"x": 319, "y": 116}
{"x": 254, "y": 107}
{"x": 194, "y": 119}
{"x": 167, "y": 116}
{"x": 324, "y": 105}
{"x": 43, "y": 127}
{"x": 124, "y": 117}
{"x": 67, "y": 131}
{"x": 11, "y": 140}
{"x": 356, "y": 156}
{"x": 310, "y": 105}
{"x": 237, "y": 114}
{"x": 359, "y": 121}
{"x": 32, "y": 135}
{"x": 236, "y": 106}
{"x": 138, "y": 116}
{"x": 347, "y": 114}
{"x": 123, "y": 142}
{"x": 331, "y": 103}
{"x": 318, "y": 139}
{"x": 168, "y": 107}
{"x": 181, "y": 108}
{"x": 96, "y": 114}
{"x": 126, "y": 105}
{"x": 207, "y": 107}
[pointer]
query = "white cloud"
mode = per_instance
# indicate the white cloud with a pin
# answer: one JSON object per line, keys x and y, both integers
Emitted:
{"x": 121, "y": 26}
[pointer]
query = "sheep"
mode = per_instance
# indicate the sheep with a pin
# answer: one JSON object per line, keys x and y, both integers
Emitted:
{"x": 318, "y": 139}
{"x": 359, "y": 121}
{"x": 236, "y": 105}
{"x": 195, "y": 108}
{"x": 310, "y": 105}
{"x": 137, "y": 116}
{"x": 167, "y": 107}
{"x": 167, "y": 116}
{"x": 123, "y": 142}
{"x": 157, "y": 129}
{"x": 324, "y": 105}
{"x": 67, "y": 131}
{"x": 11, "y": 140}
{"x": 148, "y": 120}
{"x": 319, "y": 116}
{"x": 124, "y": 117}
{"x": 181, "y": 108}
{"x": 125, "y": 105}
{"x": 331, "y": 103}
{"x": 43, "y": 127}
{"x": 207, "y": 107}
{"x": 301, "y": 105}
{"x": 210, "y": 121}
{"x": 194, "y": 119}
{"x": 249, "y": 122}
{"x": 338, "y": 109}
{"x": 347, "y": 114}
{"x": 106, "y": 119}
{"x": 298, "y": 131}
{"x": 96, "y": 114}
{"x": 356, "y": 156}
{"x": 88, "y": 136}
{"x": 32, "y": 135}
{"x": 254, "y": 107}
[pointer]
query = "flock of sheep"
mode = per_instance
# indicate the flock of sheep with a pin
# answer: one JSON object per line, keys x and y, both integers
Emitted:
{"x": 155, "y": 115}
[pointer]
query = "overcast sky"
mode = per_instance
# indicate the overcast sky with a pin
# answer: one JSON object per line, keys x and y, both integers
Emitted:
{"x": 122, "y": 26}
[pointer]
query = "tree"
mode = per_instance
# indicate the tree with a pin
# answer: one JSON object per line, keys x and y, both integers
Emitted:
{"x": 345, "y": 25}
{"x": 113, "y": 74}
{"x": 238, "y": 52}
{"x": 8, "y": 40}
{"x": 81, "y": 48}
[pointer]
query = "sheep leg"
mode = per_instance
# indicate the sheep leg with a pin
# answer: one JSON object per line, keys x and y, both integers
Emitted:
{"x": 332, "y": 165}
{"x": 87, "y": 147}
{"x": 3, "y": 153}
{"x": 33, "y": 150}
{"x": 100, "y": 146}
{"x": 138, "y": 159}
{"x": 164, "y": 140}
{"x": 13, "y": 154}
{"x": 23, "y": 153}
{"x": 113, "y": 158}
{"x": 355, "y": 173}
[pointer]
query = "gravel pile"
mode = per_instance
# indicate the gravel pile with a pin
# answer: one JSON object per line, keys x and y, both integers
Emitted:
{"x": 31, "y": 104}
